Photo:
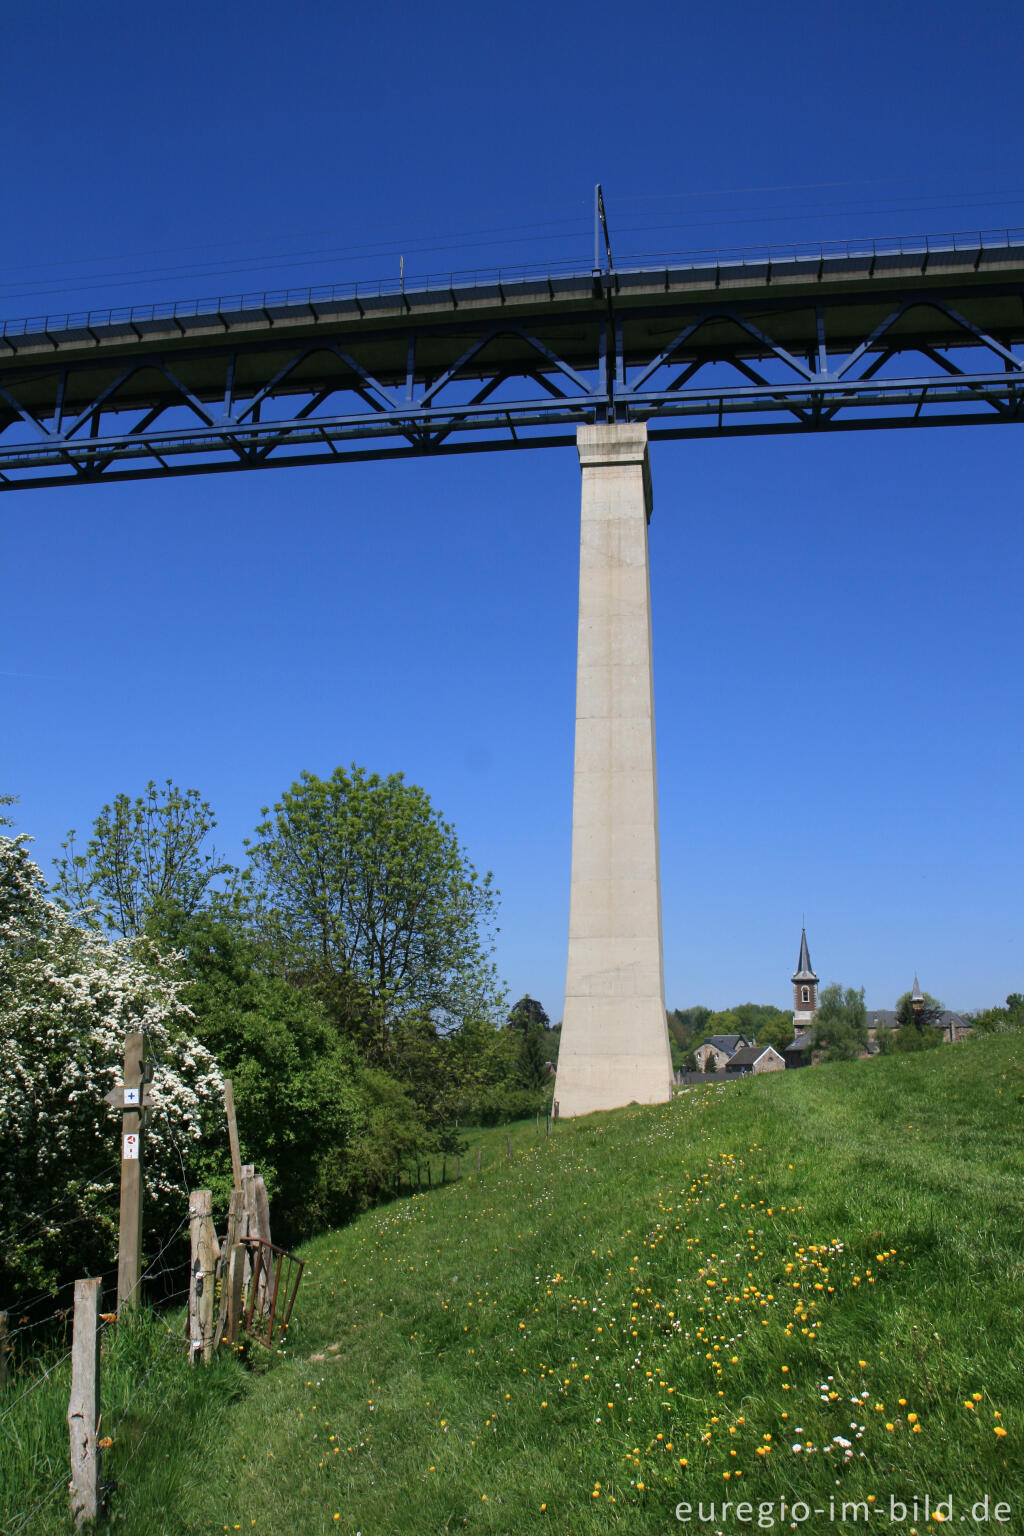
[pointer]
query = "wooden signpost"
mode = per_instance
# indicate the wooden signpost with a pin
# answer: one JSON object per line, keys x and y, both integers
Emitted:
{"x": 130, "y": 1097}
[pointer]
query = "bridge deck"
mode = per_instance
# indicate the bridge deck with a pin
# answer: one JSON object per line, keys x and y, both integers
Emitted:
{"x": 805, "y": 344}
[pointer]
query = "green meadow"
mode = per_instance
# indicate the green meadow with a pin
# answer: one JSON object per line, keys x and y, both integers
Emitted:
{"x": 804, "y": 1287}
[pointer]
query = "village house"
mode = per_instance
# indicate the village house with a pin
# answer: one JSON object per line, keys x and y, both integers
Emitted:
{"x": 954, "y": 1026}
{"x": 720, "y": 1048}
{"x": 755, "y": 1058}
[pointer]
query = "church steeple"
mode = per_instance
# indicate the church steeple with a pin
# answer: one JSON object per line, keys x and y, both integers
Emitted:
{"x": 805, "y": 988}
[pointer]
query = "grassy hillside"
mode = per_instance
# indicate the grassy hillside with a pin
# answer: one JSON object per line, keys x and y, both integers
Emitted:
{"x": 804, "y": 1286}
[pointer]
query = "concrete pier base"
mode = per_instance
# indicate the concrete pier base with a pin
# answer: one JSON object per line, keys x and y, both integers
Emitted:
{"x": 614, "y": 1047}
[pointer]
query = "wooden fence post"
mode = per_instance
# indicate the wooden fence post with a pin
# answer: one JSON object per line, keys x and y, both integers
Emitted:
{"x": 236, "y": 1156}
{"x": 4, "y": 1346}
{"x": 230, "y": 1244}
{"x": 508, "y": 1144}
{"x": 129, "y": 1246}
{"x": 84, "y": 1403}
{"x": 262, "y": 1209}
{"x": 235, "y": 1283}
{"x": 200, "y": 1298}
{"x": 479, "y": 1158}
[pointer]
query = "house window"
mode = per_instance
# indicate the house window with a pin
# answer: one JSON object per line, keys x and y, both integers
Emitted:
{"x": 805, "y": 994}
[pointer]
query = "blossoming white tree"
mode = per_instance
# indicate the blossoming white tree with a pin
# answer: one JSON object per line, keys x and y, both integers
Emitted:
{"x": 68, "y": 997}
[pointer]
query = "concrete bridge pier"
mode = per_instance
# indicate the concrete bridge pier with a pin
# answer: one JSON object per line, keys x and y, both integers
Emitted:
{"x": 614, "y": 1046}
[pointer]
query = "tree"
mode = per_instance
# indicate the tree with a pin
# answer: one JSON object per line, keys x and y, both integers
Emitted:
{"x": 301, "y": 1093}
{"x": 533, "y": 1072}
{"x": 896, "y": 1041}
{"x": 994, "y": 1020}
{"x": 922, "y": 1018}
{"x": 68, "y": 997}
{"x": 142, "y": 852}
{"x": 763, "y": 1021}
{"x": 528, "y": 1014}
{"x": 689, "y": 1023}
{"x": 725, "y": 1023}
{"x": 776, "y": 1031}
{"x": 358, "y": 887}
{"x": 840, "y": 1025}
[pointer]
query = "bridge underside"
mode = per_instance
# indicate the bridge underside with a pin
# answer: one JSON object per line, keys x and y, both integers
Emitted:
{"x": 905, "y": 339}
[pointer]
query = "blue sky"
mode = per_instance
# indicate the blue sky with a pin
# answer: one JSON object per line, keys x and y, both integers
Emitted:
{"x": 838, "y": 639}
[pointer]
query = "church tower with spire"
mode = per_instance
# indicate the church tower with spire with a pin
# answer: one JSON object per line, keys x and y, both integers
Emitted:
{"x": 805, "y": 989}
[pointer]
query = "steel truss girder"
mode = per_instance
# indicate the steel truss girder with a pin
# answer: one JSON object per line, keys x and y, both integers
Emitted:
{"x": 205, "y": 409}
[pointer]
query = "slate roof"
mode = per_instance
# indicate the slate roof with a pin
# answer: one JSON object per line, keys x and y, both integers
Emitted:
{"x": 801, "y": 1043}
{"x": 728, "y": 1043}
{"x": 885, "y": 1018}
{"x": 803, "y": 970}
{"x": 748, "y": 1056}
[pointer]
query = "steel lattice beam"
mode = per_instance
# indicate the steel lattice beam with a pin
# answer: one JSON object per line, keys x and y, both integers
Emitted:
{"x": 932, "y": 338}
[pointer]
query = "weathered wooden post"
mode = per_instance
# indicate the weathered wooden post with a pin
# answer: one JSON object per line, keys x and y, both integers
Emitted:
{"x": 4, "y": 1346}
{"x": 479, "y": 1158}
{"x": 508, "y": 1145}
{"x": 235, "y": 1283}
{"x": 130, "y": 1098}
{"x": 200, "y": 1300}
{"x": 84, "y": 1404}
{"x": 231, "y": 1243}
{"x": 236, "y": 1156}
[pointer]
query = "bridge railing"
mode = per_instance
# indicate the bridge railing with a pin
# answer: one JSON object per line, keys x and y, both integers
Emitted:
{"x": 556, "y": 273}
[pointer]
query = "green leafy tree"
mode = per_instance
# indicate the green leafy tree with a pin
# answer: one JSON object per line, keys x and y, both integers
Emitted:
{"x": 689, "y": 1023}
{"x": 309, "y": 1110}
{"x": 776, "y": 1031}
{"x": 68, "y": 997}
{"x": 142, "y": 853}
{"x": 528, "y": 1014}
{"x": 357, "y": 886}
{"x": 994, "y": 1020}
{"x": 922, "y": 1018}
{"x": 900, "y": 1041}
{"x": 533, "y": 1072}
{"x": 840, "y": 1025}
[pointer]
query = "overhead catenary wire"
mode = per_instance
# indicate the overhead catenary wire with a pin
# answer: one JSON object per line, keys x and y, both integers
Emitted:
{"x": 572, "y": 228}
{"x": 401, "y": 235}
